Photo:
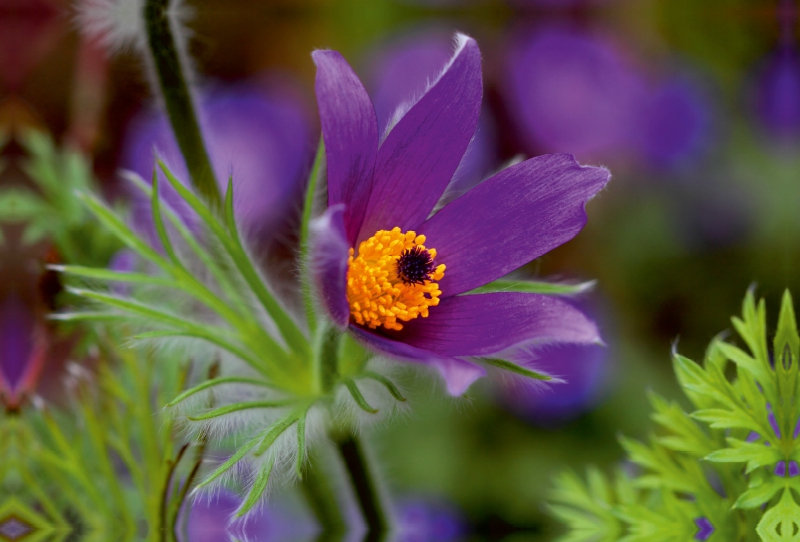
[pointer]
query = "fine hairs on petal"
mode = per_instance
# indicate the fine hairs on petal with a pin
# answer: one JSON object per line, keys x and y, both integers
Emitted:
{"x": 460, "y": 40}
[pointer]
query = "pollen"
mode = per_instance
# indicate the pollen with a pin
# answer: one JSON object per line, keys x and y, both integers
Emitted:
{"x": 392, "y": 278}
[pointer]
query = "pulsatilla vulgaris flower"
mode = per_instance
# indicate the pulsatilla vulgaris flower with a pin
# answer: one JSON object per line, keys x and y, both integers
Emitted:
{"x": 394, "y": 273}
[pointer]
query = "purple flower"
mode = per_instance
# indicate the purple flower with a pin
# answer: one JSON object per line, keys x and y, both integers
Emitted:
{"x": 777, "y": 97}
{"x": 259, "y": 137}
{"x": 572, "y": 92}
{"x": 23, "y": 350}
{"x": 17, "y": 325}
{"x": 581, "y": 366}
{"x": 210, "y": 521}
{"x": 402, "y": 72}
{"x": 675, "y": 122}
{"x": 391, "y": 273}
{"x": 428, "y": 520}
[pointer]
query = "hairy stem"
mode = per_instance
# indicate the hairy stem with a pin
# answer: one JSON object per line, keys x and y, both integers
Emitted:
{"x": 370, "y": 500}
{"x": 323, "y": 500}
{"x": 171, "y": 75}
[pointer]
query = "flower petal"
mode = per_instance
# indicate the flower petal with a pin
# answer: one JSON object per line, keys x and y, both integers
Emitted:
{"x": 510, "y": 219}
{"x": 422, "y": 151}
{"x": 330, "y": 251}
{"x": 350, "y": 132}
{"x": 485, "y": 324}
{"x": 458, "y": 373}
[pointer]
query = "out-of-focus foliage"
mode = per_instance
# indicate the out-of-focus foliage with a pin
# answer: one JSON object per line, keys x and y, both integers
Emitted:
{"x": 105, "y": 462}
{"x": 52, "y": 211}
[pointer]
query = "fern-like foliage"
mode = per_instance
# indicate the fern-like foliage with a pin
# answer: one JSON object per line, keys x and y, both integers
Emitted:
{"x": 52, "y": 212}
{"x": 200, "y": 289}
{"x": 727, "y": 471}
{"x": 104, "y": 461}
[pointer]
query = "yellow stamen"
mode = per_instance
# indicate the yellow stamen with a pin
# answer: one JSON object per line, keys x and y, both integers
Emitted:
{"x": 377, "y": 295}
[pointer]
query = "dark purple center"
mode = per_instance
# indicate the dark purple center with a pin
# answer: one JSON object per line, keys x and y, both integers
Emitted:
{"x": 415, "y": 265}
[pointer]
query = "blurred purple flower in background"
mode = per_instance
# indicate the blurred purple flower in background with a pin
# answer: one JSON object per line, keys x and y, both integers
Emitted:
{"x": 777, "y": 94}
{"x": 260, "y": 136}
{"x": 583, "y": 368}
{"x": 428, "y": 519}
{"x": 674, "y": 124}
{"x": 17, "y": 324}
{"x": 402, "y": 72}
{"x": 575, "y": 90}
{"x": 571, "y": 92}
{"x": 210, "y": 521}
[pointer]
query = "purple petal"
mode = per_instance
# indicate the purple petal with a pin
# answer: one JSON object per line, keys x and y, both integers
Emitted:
{"x": 422, "y": 151}
{"x": 780, "y": 468}
{"x": 17, "y": 325}
{"x": 773, "y": 421}
{"x": 794, "y": 469}
{"x": 510, "y": 219}
{"x": 458, "y": 374}
{"x": 704, "y": 528}
{"x": 485, "y": 324}
{"x": 329, "y": 249}
{"x": 402, "y": 72}
{"x": 350, "y": 131}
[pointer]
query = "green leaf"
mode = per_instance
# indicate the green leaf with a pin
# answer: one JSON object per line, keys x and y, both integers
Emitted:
{"x": 217, "y": 382}
{"x": 534, "y": 287}
{"x": 231, "y": 461}
{"x": 212, "y": 334}
{"x": 755, "y": 454}
{"x": 357, "y": 397}
{"x": 725, "y": 419}
{"x": 301, "y": 444}
{"x": 233, "y": 245}
{"x": 121, "y": 230}
{"x": 237, "y": 407}
{"x": 388, "y": 384}
{"x": 780, "y": 523}
{"x": 272, "y": 434}
{"x": 257, "y": 490}
{"x": 99, "y": 273}
{"x": 158, "y": 221}
{"x": 758, "y": 495}
{"x": 514, "y": 368}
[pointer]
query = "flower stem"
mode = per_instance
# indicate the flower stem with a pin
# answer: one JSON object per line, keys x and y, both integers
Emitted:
{"x": 323, "y": 500}
{"x": 171, "y": 77}
{"x": 365, "y": 483}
